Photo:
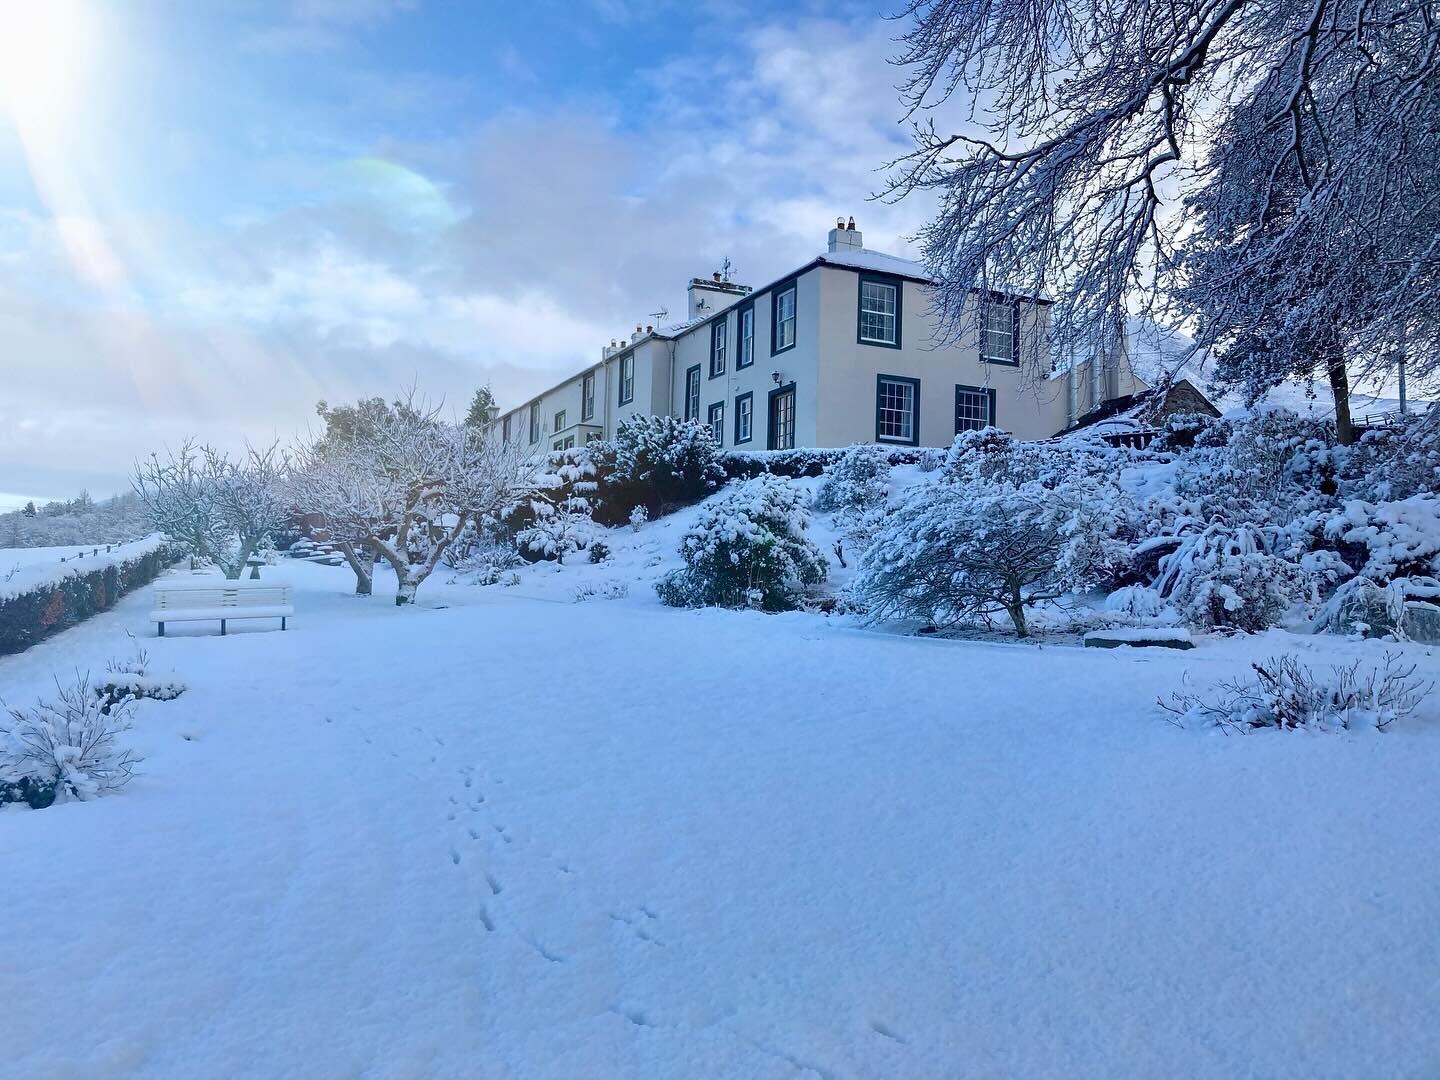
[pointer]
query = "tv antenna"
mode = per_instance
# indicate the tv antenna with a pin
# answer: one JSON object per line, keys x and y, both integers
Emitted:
{"x": 659, "y": 317}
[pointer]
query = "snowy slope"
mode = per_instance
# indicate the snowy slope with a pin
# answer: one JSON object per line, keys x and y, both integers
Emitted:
{"x": 506, "y": 835}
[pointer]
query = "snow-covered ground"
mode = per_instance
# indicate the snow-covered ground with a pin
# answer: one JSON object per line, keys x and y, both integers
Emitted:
{"x": 24, "y": 568}
{"x": 505, "y": 834}
{"x": 35, "y": 556}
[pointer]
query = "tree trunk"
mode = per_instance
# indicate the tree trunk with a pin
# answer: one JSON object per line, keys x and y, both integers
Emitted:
{"x": 1340, "y": 387}
{"x": 1016, "y": 609}
{"x": 362, "y": 565}
{"x": 405, "y": 587}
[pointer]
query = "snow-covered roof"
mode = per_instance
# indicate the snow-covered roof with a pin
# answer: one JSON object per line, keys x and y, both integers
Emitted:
{"x": 865, "y": 259}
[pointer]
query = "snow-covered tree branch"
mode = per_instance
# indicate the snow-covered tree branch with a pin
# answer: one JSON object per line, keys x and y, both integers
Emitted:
{"x": 1299, "y": 135}
{"x": 222, "y": 509}
{"x": 404, "y": 484}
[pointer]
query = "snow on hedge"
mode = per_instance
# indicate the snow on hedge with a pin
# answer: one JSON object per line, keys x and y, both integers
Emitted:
{"x": 31, "y": 576}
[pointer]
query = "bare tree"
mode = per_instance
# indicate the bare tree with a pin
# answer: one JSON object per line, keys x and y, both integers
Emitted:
{"x": 1090, "y": 123}
{"x": 222, "y": 509}
{"x": 406, "y": 486}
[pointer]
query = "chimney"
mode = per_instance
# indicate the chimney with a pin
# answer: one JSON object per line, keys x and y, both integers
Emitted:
{"x": 709, "y": 295}
{"x": 844, "y": 237}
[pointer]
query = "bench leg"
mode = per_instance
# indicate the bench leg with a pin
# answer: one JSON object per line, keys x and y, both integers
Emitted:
{"x": 162, "y": 629}
{"x": 222, "y": 627}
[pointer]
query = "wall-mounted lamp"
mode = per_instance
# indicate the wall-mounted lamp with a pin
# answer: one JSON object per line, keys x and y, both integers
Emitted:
{"x": 775, "y": 375}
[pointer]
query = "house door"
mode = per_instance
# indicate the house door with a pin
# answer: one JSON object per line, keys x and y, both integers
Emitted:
{"x": 782, "y": 418}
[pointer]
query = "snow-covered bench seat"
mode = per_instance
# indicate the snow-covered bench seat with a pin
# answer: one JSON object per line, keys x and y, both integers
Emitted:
{"x": 203, "y": 599}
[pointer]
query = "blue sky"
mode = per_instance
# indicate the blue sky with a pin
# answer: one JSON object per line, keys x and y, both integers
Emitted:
{"x": 214, "y": 214}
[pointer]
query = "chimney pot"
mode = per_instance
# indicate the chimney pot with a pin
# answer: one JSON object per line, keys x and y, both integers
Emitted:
{"x": 844, "y": 237}
{"x": 649, "y": 329}
{"x": 716, "y": 275}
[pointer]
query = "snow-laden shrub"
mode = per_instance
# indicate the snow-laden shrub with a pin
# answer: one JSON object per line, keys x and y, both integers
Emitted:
{"x": 1140, "y": 603}
{"x": 747, "y": 549}
{"x": 68, "y": 746}
{"x": 1398, "y": 539}
{"x": 1395, "y": 462}
{"x": 657, "y": 462}
{"x": 994, "y": 455}
{"x": 1286, "y": 694}
{"x": 610, "y": 590}
{"x": 598, "y": 551}
{"x": 560, "y": 527}
{"x": 1404, "y": 607}
{"x": 486, "y": 552}
{"x": 638, "y": 517}
{"x": 1272, "y": 458}
{"x": 1237, "y": 543}
{"x": 130, "y": 679}
{"x": 856, "y": 482}
{"x": 1231, "y": 574}
{"x": 1178, "y": 431}
{"x": 956, "y": 552}
{"x": 856, "y": 490}
{"x": 114, "y": 688}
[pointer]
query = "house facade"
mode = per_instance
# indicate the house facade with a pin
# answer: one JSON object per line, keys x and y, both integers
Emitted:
{"x": 842, "y": 350}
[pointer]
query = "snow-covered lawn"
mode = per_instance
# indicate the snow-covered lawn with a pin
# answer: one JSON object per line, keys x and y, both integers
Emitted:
{"x": 502, "y": 835}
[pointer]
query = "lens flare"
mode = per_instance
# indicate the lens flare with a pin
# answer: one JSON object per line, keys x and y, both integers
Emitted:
{"x": 45, "y": 46}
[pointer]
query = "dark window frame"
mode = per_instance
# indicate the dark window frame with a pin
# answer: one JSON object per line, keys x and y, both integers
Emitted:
{"x": 630, "y": 359}
{"x": 770, "y": 439}
{"x": 587, "y": 396}
{"x": 505, "y": 429}
{"x": 1013, "y": 303}
{"x": 534, "y": 422}
{"x": 914, "y": 384}
{"x": 790, "y": 286}
{"x": 988, "y": 391}
{"x": 561, "y": 415}
{"x": 689, "y": 372}
{"x": 747, "y": 308}
{"x": 718, "y": 432}
{"x": 748, "y": 396}
{"x": 718, "y": 336}
{"x": 898, "y": 284}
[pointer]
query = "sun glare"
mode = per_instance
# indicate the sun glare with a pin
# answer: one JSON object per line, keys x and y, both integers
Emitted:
{"x": 44, "y": 47}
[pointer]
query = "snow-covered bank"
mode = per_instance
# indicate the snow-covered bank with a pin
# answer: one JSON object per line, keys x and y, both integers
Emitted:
{"x": 24, "y": 569}
{"x": 499, "y": 837}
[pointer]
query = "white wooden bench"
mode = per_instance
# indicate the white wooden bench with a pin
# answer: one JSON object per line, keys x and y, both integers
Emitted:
{"x": 202, "y": 599}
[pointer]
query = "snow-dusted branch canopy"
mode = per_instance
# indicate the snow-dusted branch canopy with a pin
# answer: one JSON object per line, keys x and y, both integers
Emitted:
{"x": 403, "y": 482}
{"x": 222, "y": 509}
{"x": 1100, "y": 133}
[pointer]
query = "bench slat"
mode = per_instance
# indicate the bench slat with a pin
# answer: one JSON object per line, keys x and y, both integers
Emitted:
{"x": 278, "y": 611}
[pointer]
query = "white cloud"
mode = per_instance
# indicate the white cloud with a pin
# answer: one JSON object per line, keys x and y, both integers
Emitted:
{"x": 507, "y": 255}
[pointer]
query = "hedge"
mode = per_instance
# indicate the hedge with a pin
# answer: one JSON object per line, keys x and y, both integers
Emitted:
{"x": 812, "y": 461}
{"x": 47, "y": 607}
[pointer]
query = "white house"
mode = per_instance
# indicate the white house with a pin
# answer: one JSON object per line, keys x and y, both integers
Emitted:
{"x": 841, "y": 350}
